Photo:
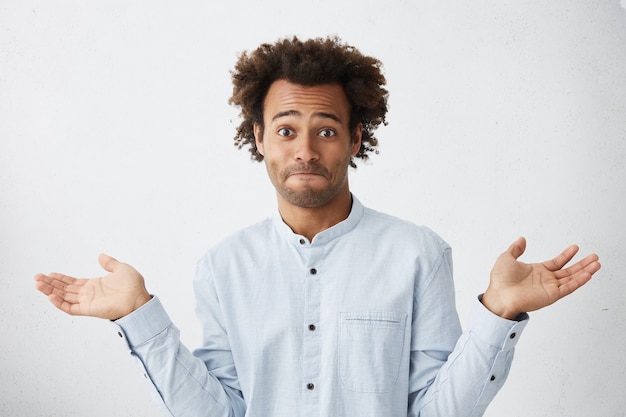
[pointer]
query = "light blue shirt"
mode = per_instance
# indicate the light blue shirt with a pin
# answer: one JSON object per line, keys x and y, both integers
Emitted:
{"x": 360, "y": 321}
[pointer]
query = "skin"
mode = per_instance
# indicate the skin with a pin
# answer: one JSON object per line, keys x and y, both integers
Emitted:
{"x": 516, "y": 287}
{"x": 307, "y": 146}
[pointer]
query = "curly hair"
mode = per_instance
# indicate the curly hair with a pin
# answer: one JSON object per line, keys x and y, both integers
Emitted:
{"x": 310, "y": 63}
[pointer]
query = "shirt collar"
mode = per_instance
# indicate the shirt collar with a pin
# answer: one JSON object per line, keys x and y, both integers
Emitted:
{"x": 341, "y": 228}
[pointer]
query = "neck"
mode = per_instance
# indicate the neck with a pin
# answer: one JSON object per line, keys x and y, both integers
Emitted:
{"x": 309, "y": 221}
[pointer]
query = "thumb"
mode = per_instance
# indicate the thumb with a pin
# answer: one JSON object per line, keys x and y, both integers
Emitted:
{"x": 107, "y": 262}
{"x": 517, "y": 248}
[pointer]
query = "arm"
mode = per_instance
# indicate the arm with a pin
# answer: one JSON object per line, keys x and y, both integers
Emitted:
{"x": 464, "y": 381}
{"x": 182, "y": 382}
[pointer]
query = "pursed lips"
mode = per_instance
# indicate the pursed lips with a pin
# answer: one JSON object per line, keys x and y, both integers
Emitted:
{"x": 305, "y": 176}
{"x": 305, "y": 173}
{"x": 298, "y": 171}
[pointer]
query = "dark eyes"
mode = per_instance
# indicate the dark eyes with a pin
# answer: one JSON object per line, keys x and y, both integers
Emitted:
{"x": 324, "y": 133}
{"x": 327, "y": 133}
{"x": 285, "y": 132}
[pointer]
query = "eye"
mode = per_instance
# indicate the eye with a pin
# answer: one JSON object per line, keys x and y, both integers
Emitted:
{"x": 285, "y": 131}
{"x": 327, "y": 133}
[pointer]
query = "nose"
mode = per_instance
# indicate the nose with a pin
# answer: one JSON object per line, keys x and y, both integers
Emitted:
{"x": 306, "y": 149}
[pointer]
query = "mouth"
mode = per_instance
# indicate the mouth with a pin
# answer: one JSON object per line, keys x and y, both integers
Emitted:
{"x": 305, "y": 176}
{"x": 306, "y": 173}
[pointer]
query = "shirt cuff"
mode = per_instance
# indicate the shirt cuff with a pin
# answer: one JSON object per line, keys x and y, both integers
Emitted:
{"x": 144, "y": 323}
{"x": 493, "y": 329}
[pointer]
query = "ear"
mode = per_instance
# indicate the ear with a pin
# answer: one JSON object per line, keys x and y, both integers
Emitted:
{"x": 258, "y": 138}
{"x": 356, "y": 139}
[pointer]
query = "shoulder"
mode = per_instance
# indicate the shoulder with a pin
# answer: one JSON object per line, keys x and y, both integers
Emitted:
{"x": 240, "y": 244}
{"x": 407, "y": 246}
{"x": 387, "y": 226}
{"x": 251, "y": 235}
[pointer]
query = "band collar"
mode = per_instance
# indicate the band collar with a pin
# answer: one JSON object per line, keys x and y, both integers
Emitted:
{"x": 325, "y": 236}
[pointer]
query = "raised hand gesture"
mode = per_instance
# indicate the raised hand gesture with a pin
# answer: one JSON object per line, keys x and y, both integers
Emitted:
{"x": 516, "y": 287}
{"x": 110, "y": 297}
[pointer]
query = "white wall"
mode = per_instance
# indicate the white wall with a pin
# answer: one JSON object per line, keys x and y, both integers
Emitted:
{"x": 506, "y": 118}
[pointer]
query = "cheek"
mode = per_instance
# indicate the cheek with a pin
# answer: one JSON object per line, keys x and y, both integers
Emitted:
{"x": 273, "y": 169}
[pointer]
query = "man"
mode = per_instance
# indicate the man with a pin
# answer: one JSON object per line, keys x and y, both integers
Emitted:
{"x": 328, "y": 308}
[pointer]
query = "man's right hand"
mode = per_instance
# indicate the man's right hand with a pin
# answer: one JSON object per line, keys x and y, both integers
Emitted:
{"x": 110, "y": 297}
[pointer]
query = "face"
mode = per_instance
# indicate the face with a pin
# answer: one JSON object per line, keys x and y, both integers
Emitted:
{"x": 306, "y": 142}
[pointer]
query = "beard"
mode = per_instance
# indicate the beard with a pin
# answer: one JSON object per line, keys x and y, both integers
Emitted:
{"x": 309, "y": 195}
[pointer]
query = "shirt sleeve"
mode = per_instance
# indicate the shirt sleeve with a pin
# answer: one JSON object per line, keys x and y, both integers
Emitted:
{"x": 180, "y": 382}
{"x": 462, "y": 378}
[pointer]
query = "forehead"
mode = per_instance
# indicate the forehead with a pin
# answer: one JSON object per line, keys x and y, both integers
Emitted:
{"x": 283, "y": 96}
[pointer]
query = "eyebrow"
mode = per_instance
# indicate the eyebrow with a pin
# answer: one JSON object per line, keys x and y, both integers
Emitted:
{"x": 297, "y": 113}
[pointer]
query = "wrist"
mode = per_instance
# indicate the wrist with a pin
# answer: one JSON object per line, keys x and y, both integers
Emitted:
{"x": 141, "y": 300}
{"x": 494, "y": 303}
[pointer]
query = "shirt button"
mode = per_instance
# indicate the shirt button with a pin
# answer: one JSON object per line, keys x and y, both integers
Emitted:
{"x": 493, "y": 377}
{"x": 313, "y": 271}
{"x": 312, "y": 327}
{"x": 513, "y": 335}
{"x": 310, "y": 386}
{"x": 302, "y": 241}
{"x": 120, "y": 334}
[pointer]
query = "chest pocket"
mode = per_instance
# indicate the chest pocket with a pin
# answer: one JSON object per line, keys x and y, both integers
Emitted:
{"x": 370, "y": 349}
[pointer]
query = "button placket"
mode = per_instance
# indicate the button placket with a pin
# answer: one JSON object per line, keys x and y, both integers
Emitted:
{"x": 310, "y": 336}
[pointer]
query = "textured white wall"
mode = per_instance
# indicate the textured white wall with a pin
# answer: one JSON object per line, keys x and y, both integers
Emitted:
{"x": 506, "y": 118}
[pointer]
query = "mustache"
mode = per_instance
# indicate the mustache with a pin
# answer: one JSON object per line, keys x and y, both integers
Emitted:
{"x": 305, "y": 169}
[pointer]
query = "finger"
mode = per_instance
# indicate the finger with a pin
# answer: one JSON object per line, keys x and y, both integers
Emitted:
{"x": 48, "y": 283}
{"x": 573, "y": 281}
{"x": 564, "y": 277}
{"x": 574, "y": 284}
{"x": 562, "y": 259}
{"x": 55, "y": 276}
{"x": 44, "y": 283}
{"x": 40, "y": 283}
{"x": 517, "y": 248}
{"x": 580, "y": 265}
{"x": 64, "y": 305}
{"x": 69, "y": 293}
{"x": 44, "y": 287}
{"x": 108, "y": 262}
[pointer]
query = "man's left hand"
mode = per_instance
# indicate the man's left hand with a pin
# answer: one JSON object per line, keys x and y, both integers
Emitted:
{"x": 516, "y": 287}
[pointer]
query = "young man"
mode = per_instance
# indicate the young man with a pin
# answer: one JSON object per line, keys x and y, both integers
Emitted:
{"x": 327, "y": 308}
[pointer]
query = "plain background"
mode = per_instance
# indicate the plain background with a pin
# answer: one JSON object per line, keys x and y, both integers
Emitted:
{"x": 507, "y": 118}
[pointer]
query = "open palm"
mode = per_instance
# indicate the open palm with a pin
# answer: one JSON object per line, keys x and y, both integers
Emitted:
{"x": 517, "y": 287}
{"x": 110, "y": 297}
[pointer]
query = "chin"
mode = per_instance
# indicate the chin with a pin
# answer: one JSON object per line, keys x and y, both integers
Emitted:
{"x": 308, "y": 198}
